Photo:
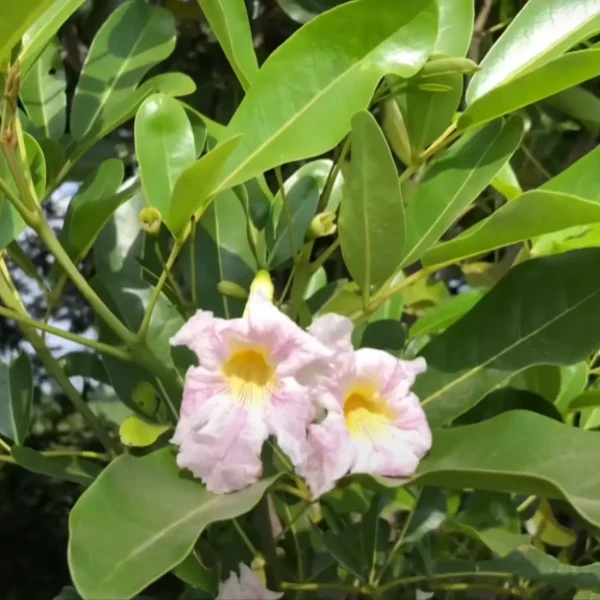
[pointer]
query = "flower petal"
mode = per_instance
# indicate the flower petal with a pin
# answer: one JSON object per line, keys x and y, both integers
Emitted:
{"x": 330, "y": 455}
{"x": 333, "y": 331}
{"x": 230, "y": 588}
{"x": 252, "y": 588}
{"x": 288, "y": 415}
{"x": 221, "y": 444}
{"x": 291, "y": 348}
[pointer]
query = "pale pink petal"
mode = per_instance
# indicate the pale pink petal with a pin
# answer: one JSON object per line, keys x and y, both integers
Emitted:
{"x": 230, "y": 588}
{"x": 223, "y": 451}
{"x": 201, "y": 384}
{"x": 290, "y": 347}
{"x": 252, "y": 588}
{"x": 289, "y": 413}
{"x": 330, "y": 455}
{"x": 335, "y": 332}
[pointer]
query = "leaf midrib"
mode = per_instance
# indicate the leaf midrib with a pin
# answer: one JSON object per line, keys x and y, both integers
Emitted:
{"x": 124, "y": 64}
{"x": 365, "y": 60}
{"x": 423, "y": 241}
{"x": 509, "y": 348}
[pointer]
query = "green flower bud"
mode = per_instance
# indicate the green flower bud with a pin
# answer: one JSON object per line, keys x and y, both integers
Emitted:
{"x": 150, "y": 220}
{"x": 229, "y": 288}
{"x": 322, "y": 225}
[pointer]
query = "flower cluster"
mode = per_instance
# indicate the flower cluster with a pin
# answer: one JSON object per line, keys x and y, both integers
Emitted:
{"x": 331, "y": 409}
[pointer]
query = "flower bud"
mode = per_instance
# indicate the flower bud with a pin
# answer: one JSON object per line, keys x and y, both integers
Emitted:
{"x": 230, "y": 288}
{"x": 396, "y": 132}
{"x": 322, "y": 225}
{"x": 150, "y": 220}
{"x": 262, "y": 283}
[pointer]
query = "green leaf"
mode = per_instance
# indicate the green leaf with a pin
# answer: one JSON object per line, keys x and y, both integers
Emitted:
{"x": 384, "y": 334}
{"x": 43, "y": 30}
{"x": 16, "y": 21}
{"x": 542, "y": 31}
{"x": 140, "y": 519}
{"x": 193, "y": 187}
{"x": 579, "y": 104}
{"x": 505, "y": 399}
{"x": 222, "y": 253}
{"x": 455, "y": 27}
{"x": 544, "y": 527}
{"x": 428, "y": 515}
{"x": 548, "y": 317}
{"x": 428, "y": 114}
{"x": 371, "y": 223}
{"x": 445, "y": 313}
{"x": 37, "y": 164}
{"x": 16, "y": 389}
{"x": 121, "y": 241}
{"x": 387, "y": 37}
{"x": 558, "y": 75}
{"x": 84, "y": 364}
{"x": 342, "y": 547}
{"x": 532, "y": 214}
{"x": 65, "y": 468}
{"x": 43, "y": 93}
{"x": 302, "y": 11}
{"x": 303, "y": 190}
{"x": 375, "y": 534}
{"x": 228, "y": 20}
{"x": 134, "y": 38}
{"x": 533, "y": 565}
{"x": 164, "y": 143}
{"x": 194, "y": 573}
{"x": 134, "y": 431}
{"x": 506, "y": 182}
{"x": 455, "y": 181}
{"x": 90, "y": 209}
{"x": 482, "y": 456}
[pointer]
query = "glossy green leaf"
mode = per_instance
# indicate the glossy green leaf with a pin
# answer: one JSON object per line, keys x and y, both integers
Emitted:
{"x": 132, "y": 297}
{"x": 580, "y": 104}
{"x": 121, "y": 241}
{"x": 573, "y": 380}
{"x": 455, "y": 27}
{"x": 16, "y": 398}
{"x": 90, "y": 209}
{"x": 428, "y": 515}
{"x": 222, "y": 253}
{"x": 384, "y": 334}
{"x": 43, "y": 30}
{"x": 429, "y": 113}
{"x": 543, "y": 30}
{"x": 506, "y": 182}
{"x": 532, "y": 214}
{"x": 371, "y": 221}
{"x": 43, "y": 93}
{"x": 533, "y": 565}
{"x": 303, "y": 190}
{"x": 345, "y": 548}
{"x": 483, "y": 456}
{"x": 16, "y": 21}
{"x": 155, "y": 512}
{"x": 506, "y": 399}
{"x": 194, "y": 573}
{"x": 228, "y": 20}
{"x": 455, "y": 181}
{"x": 560, "y": 74}
{"x": 544, "y": 527}
{"x": 84, "y": 364}
{"x": 133, "y": 39}
{"x": 164, "y": 142}
{"x": 580, "y": 179}
{"x": 11, "y": 223}
{"x": 329, "y": 88}
{"x": 193, "y": 187}
{"x": 446, "y": 313}
{"x": 302, "y": 11}
{"x": 65, "y": 468}
{"x": 137, "y": 432}
{"x": 548, "y": 317}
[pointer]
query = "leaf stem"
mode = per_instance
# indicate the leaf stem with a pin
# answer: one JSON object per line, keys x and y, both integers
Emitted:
{"x": 77, "y": 454}
{"x": 325, "y": 587}
{"x": 245, "y": 538}
{"x": 422, "y": 578}
{"x": 333, "y": 174}
{"x": 324, "y": 256}
{"x": 4, "y": 445}
{"x": 287, "y": 213}
{"x": 143, "y": 331}
{"x": 446, "y": 138}
{"x": 12, "y": 300}
{"x": 300, "y": 281}
{"x": 263, "y": 515}
{"x": 193, "y": 261}
{"x": 67, "y": 335}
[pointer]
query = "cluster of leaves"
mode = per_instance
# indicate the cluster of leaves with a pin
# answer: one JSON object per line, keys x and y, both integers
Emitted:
{"x": 384, "y": 126}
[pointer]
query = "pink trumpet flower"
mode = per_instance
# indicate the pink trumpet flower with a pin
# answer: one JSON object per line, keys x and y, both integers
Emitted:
{"x": 244, "y": 390}
{"x": 374, "y": 424}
